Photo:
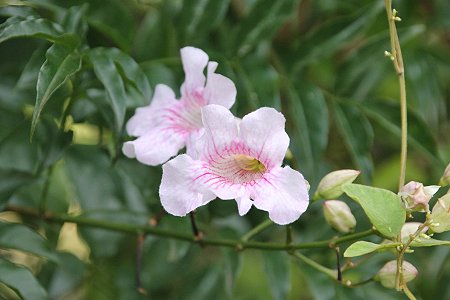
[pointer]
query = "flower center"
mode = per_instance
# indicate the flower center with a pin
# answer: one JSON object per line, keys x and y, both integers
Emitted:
{"x": 249, "y": 163}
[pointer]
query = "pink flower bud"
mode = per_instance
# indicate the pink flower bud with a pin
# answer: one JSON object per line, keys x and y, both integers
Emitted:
{"x": 388, "y": 272}
{"x": 339, "y": 216}
{"x": 330, "y": 187}
{"x": 445, "y": 179}
{"x": 415, "y": 197}
{"x": 440, "y": 215}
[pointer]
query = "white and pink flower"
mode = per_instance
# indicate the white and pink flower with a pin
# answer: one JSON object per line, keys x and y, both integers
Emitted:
{"x": 237, "y": 159}
{"x": 167, "y": 124}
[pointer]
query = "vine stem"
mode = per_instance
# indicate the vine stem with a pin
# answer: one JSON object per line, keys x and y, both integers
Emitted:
{"x": 397, "y": 60}
{"x": 151, "y": 230}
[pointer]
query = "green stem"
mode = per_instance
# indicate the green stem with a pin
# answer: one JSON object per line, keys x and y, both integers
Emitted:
{"x": 329, "y": 272}
{"x": 146, "y": 229}
{"x": 397, "y": 60}
{"x": 256, "y": 230}
{"x": 45, "y": 189}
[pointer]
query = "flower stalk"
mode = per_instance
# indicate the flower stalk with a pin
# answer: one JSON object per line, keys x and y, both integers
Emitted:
{"x": 397, "y": 60}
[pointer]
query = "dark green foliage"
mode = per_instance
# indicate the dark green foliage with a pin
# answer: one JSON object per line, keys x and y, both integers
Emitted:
{"x": 73, "y": 72}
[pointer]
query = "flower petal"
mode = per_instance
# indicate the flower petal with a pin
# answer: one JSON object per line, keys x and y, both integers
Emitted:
{"x": 155, "y": 147}
{"x": 263, "y": 131}
{"x": 219, "y": 89}
{"x": 148, "y": 117}
{"x": 221, "y": 129}
{"x": 194, "y": 61}
{"x": 178, "y": 192}
{"x": 283, "y": 194}
{"x": 244, "y": 205}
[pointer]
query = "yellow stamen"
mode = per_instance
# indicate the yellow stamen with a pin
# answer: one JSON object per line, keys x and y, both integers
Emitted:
{"x": 249, "y": 163}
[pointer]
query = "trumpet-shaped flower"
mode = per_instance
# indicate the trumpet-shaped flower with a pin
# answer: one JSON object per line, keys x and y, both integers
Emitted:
{"x": 167, "y": 124}
{"x": 237, "y": 159}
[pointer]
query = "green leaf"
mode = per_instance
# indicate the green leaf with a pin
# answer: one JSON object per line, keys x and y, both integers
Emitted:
{"x": 423, "y": 242}
{"x": 362, "y": 247}
{"x": 261, "y": 23}
{"x": 231, "y": 266}
{"x": 74, "y": 20}
{"x": 16, "y": 27}
{"x": 384, "y": 208}
{"x": 276, "y": 266}
{"x": 67, "y": 276}
{"x": 420, "y": 138}
{"x": 334, "y": 35}
{"x": 115, "y": 21}
{"x": 125, "y": 83}
{"x": 358, "y": 136}
{"x": 10, "y": 181}
{"x": 199, "y": 17}
{"x": 21, "y": 280}
{"x": 20, "y": 237}
{"x": 107, "y": 73}
{"x": 60, "y": 65}
{"x": 309, "y": 116}
{"x": 131, "y": 73}
{"x": 30, "y": 73}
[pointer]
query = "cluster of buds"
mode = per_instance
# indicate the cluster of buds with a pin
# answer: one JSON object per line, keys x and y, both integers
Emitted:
{"x": 387, "y": 274}
{"x": 337, "y": 213}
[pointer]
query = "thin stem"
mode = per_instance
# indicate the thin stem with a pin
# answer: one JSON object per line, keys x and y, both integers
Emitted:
{"x": 329, "y": 272}
{"x": 399, "y": 280}
{"x": 397, "y": 60}
{"x": 195, "y": 231}
{"x": 338, "y": 265}
{"x": 146, "y": 229}
{"x": 45, "y": 189}
{"x": 256, "y": 230}
{"x": 408, "y": 293}
{"x": 288, "y": 234}
{"x": 139, "y": 252}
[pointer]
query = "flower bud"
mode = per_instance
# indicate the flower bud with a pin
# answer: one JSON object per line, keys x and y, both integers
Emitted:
{"x": 445, "y": 179}
{"x": 440, "y": 215}
{"x": 339, "y": 216}
{"x": 415, "y": 197}
{"x": 330, "y": 187}
{"x": 388, "y": 272}
{"x": 410, "y": 228}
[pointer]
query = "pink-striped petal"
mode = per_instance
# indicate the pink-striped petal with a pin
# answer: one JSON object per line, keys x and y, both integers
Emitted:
{"x": 194, "y": 62}
{"x": 219, "y": 89}
{"x": 284, "y": 194}
{"x": 221, "y": 129}
{"x": 178, "y": 192}
{"x": 148, "y": 117}
{"x": 263, "y": 130}
{"x": 155, "y": 147}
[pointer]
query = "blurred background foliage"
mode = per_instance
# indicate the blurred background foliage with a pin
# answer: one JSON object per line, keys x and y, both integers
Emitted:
{"x": 72, "y": 73}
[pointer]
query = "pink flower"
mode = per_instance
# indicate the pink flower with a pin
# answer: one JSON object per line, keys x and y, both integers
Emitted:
{"x": 237, "y": 159}
{"x": 167, "y": 125}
